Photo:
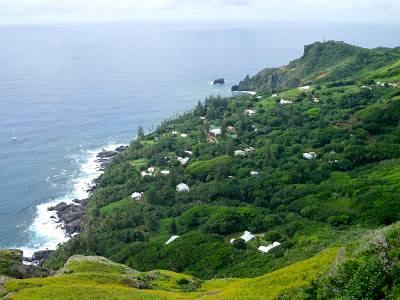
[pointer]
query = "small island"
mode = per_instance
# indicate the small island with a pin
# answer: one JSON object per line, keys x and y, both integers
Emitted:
{"x": 219, "y": 81}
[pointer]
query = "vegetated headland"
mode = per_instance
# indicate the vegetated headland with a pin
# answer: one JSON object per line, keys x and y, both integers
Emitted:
{"x": 287, "y": 192}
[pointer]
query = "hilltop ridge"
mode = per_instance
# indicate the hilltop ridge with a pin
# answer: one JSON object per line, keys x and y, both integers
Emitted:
{"x": 321, "y": 62}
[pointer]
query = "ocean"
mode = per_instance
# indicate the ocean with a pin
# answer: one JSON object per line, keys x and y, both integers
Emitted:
{"x": 69, "y": 90}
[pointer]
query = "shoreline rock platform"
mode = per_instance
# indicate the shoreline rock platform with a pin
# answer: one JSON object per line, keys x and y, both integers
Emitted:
{"x": 71, "y": 215}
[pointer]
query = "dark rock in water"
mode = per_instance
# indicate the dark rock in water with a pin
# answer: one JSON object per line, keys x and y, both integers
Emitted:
{"x": 72, "y": 216}
{"x": 40, "y": 257}
{"x": 219, "y": 81}
{"x": 71, "y": 213}
{"x": 106, "y": 154}
{"x": 95, "y": 183}
{"x": 121, "y": 148}
{"x": 13, "y": 254}
{"x": 58, "y": 207}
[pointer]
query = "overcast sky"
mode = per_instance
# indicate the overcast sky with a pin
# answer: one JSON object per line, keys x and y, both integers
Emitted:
{"x": 28, "y": 11}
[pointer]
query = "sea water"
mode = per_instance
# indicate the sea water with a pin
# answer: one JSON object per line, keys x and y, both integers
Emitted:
{"x": 69, "y": 90}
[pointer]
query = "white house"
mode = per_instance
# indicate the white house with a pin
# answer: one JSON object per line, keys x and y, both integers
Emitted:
{"x": 216, "y": 131}
{"x": 136, "y": 196}
{"x": 247, "y": 236}
{"x": 251, "y": 149}
{"x": 283, "y": 101}
{"x": 174, "y": 132}
{"x": 151, "y": 170}
{"x": 250, "y": 112}
{"x": 171, "y": 239}
{"x": 304, "y": 88}
{"x": 239, "y": 152}
{"x": 263, "y": 249}
{"x": 253, "y": 173}
{"x": 143, "y": 174}
{"x": 246, "y": 92}
{"x": 309, "y": 155}
{"x": 274, "y": 95}
{"x": 165, "y": 172}
{"x": 188, "y": 152}
{"x": 232, "y": 241}
{"x": 182, "y": 187}
{"x": 184, "y": 135}
{"x": 183, "y": 160}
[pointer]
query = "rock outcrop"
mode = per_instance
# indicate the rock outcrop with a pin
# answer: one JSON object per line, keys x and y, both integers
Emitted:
{"x": 219, "y": 81}
{"x": 12, "y": 254}
{"x": 71, "y": 215}
{"x": 39, "y": 257}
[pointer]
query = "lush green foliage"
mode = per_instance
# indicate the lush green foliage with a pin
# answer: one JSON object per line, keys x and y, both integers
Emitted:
{"x": 349, "y": 185}
{"x": 326, "y": 62}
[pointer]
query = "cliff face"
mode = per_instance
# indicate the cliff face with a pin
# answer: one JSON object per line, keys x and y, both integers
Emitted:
{"x": 321, "y": 62}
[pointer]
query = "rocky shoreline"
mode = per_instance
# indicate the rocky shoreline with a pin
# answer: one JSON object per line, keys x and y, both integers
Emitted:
{"x": 71, "y": 215}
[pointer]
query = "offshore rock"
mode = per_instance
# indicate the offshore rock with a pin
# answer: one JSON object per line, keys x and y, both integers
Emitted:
{"x": 219, "y": 81}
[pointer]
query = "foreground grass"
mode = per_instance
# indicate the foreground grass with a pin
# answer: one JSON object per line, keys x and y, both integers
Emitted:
{"x": 90, "y": 279}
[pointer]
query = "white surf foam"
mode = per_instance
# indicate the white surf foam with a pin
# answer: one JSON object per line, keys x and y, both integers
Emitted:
{"x": 46, "y": 229}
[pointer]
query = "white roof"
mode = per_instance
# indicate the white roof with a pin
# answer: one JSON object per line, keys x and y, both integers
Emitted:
{"x": 136, "y": 196}
{"x": 184, "y": 135}
{"x": 240, "y": 152}
{"x": 309, "y": 155}
{"x": 269, "y": 247}
{"x": 188, "y": 152}
{"x": 165, "y": 172}
{"x": 145, "y": 174}
{"x": 249, "y": 92}
{"x": 183, "y": 159}
{"x": 232, "y": 240}
{"x": 253, "y": 173}
{"x": 171, "y": 239}
{"x": 151, "y": 169}
{"x": 249, "y": 111}
{"x": 182, "y": 187}
{"x": 283, "y": 101}
{"x": 216, "y": 131}
{"x": 247, "y": 236}
{"x": 174, "y": 132}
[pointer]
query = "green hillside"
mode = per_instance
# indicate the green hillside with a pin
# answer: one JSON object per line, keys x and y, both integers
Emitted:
{"x": 317, "y": 172}
{"x": 324, "y": 62}
{"x": 97, "y": 278}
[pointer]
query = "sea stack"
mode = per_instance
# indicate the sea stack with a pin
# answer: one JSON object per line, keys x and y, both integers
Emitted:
{"x": 219, "y": 81}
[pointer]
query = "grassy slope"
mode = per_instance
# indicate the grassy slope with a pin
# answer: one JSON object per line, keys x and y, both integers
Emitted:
{"x": 326, "y": 62}
{"x": 347, "y": 195}
{"x": 101, "y": 279}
